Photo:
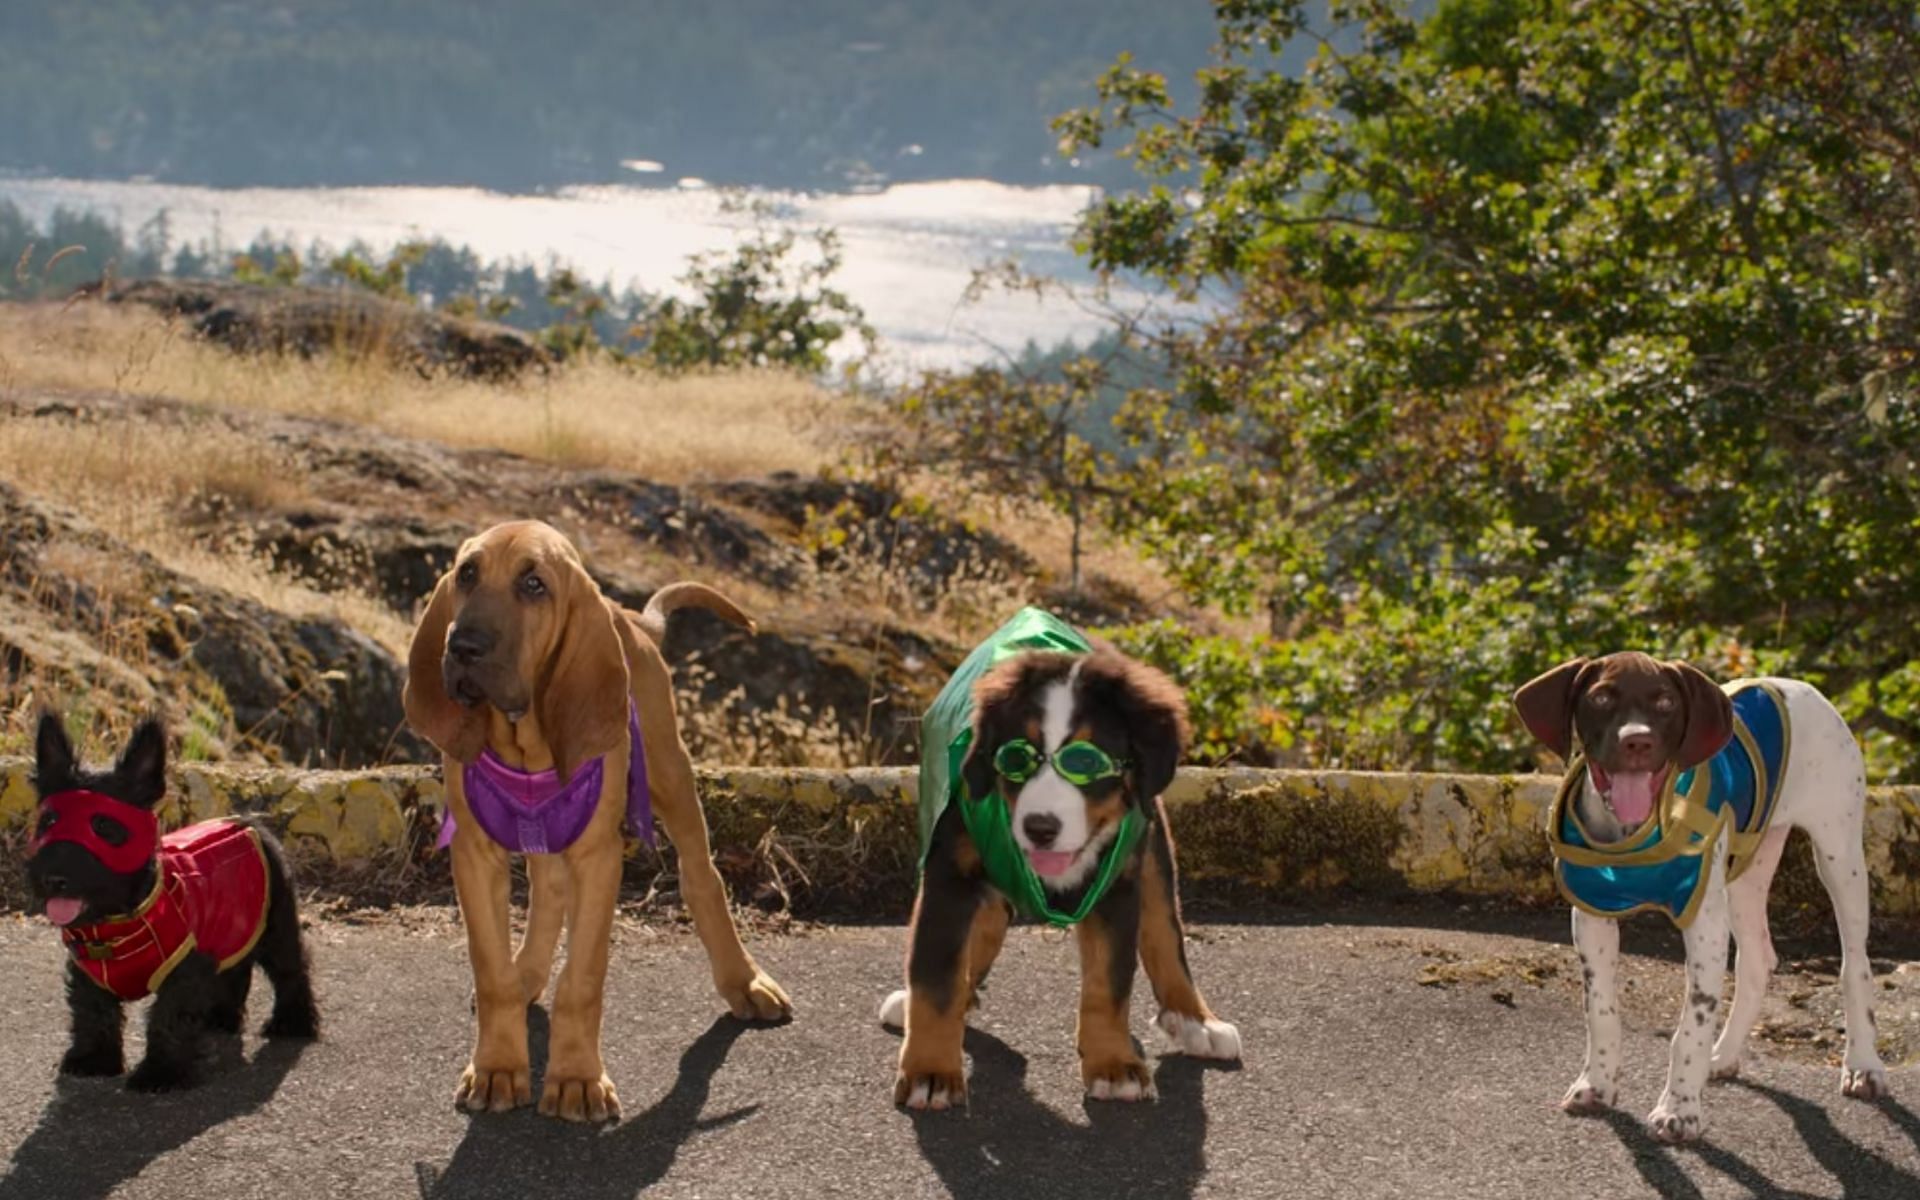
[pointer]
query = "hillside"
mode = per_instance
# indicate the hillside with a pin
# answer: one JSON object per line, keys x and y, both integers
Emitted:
{"x": 243, "y": 538}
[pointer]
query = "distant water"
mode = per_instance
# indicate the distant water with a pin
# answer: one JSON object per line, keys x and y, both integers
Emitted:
{"x": 910, "y": 250}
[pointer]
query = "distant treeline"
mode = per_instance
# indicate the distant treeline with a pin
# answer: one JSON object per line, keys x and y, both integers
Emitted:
{"x": 508, "y": 94}
{"x": 77, "y": 248}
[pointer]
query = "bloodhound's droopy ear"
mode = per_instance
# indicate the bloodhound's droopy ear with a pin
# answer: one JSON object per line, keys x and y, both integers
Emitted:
{"x": 1709, "y": 714}
{"x": 458, "y": 731}
{"x": 582, "y": 701}
{"x": 1546, "y": 704}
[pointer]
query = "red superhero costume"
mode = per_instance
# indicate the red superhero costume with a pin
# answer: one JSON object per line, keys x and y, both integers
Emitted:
{"x": 210, "y": 893}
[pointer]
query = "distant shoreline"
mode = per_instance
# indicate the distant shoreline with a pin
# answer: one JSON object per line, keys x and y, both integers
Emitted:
{"x": 663, "y": 181}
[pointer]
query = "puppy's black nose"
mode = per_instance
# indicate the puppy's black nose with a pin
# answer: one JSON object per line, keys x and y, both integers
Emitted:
{"x": 54, "y": 884}
{"x": 469, "y": 644}
{"x": 1041, "y": 829}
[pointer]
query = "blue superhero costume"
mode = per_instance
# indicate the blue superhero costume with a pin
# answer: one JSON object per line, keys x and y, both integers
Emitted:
{"x": 1664, "y": 864}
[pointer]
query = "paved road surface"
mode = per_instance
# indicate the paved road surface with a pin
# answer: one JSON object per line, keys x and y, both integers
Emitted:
{"x": 1387, "y": 1059}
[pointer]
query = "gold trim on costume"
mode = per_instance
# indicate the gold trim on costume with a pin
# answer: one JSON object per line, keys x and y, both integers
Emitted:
{"x": 165, "y": 969}
{"x": 266, "y": 901}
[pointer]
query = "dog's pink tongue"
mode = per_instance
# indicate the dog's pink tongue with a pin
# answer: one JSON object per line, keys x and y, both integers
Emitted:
{"x": 1632, "y": 796}
{"x": 64, "y": 910}
{"x": 1050, "y": 862}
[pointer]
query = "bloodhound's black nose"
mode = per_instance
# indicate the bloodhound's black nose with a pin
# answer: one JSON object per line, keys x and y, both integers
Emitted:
{"x": 468, "y": 644}
{"x": 1041, "y": 829}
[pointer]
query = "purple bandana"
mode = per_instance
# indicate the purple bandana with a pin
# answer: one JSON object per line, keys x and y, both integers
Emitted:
{"x": 529, "y": 812}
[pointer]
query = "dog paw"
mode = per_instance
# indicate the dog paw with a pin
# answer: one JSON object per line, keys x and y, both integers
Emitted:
{"x": 1125, "y": 1079}
{"x": 1865, "y": 1082}
{"x": 893, "y": 1010}
{"x": 293, "y": 1025}
{"x": 1201, "y": 1039}
{"x": 757, "y": 998}
{"x": 151, "y": 1076}
{"x": 580, "y": 1099}
{"x": 484, "y": 1089}
{"x": 1587, "y": 1096}
{"x": 1676, "y": 1121}
{"x": 1724, "y": 1068}
{"x": 93, "y": 1063}
{"x": 930, "y": 1090}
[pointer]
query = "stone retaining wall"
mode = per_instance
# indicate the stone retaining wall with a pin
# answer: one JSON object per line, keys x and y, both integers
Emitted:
{"x": 844, "y": 841}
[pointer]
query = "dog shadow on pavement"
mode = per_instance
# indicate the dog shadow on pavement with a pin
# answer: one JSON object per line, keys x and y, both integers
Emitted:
{"x": 1006, "y": 1143}
{"x": 525, "y": 1154}
{"x": 96, "y": 1135}
{"x": 1862, "y": 1173}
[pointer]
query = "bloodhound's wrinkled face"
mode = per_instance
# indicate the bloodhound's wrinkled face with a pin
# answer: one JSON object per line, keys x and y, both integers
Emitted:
{"x": 517, "y": 626}
{"x": 511, "y": 588}
{"x": 1638, "y": 721}
{"x": 1071, "y": 742}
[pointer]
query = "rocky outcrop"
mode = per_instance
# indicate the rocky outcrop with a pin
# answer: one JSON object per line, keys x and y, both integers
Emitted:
{"x": 383, "y": 515}
{"x": 99, "y": 623}
{"x": 306, "y": 321}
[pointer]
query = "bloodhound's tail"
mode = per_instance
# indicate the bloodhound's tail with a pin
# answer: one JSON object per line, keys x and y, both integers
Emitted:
{"x": 653, "y": 621}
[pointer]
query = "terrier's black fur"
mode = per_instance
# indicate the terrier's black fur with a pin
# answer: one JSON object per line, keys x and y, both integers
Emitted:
{"x": 196, "y": 996}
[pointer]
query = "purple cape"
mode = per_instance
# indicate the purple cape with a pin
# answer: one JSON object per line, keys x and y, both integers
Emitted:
{"x": 531, "y": 812}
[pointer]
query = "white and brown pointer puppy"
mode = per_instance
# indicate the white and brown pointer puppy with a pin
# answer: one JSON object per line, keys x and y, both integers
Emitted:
{"x": 1639, "y": 722}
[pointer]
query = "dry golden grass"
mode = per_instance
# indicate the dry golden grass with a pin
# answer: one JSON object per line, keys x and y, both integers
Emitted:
{"x": 1046, "y": 535}
{"x": 676, "y": 429}
{"x": 132, "y": 479}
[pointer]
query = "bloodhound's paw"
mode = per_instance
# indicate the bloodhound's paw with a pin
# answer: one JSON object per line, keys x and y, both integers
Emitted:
{"x": 1588, "y": 1095}
{"x": 580, "y": 1099}
{"x": 1865, "y": 1082}
{"x": 1120, "y": 1079}
{"x": 757, "y": 998}
{"x": 1199, "y": 1038}
{"x": 893, "y": 1010}
{"x": 493, "y": 1088}
{"x": 1675, "y": 1120}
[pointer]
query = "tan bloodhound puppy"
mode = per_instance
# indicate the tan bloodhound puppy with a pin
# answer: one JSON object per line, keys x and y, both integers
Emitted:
{"x": 520, "y": 654}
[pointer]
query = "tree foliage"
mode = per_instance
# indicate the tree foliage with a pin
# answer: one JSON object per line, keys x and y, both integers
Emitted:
{"x": 761, "y": 305}
{"x": 1553, "y": 328}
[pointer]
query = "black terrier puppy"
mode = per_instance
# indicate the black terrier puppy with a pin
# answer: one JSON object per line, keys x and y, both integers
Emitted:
{"x": 184, "y": 917}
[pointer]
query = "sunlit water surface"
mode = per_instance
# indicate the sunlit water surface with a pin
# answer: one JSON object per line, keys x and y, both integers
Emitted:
{"x": 910, "y": 251}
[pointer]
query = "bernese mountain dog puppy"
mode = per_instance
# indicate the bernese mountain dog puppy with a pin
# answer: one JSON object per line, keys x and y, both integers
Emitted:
{"x": 1055, "y": 814}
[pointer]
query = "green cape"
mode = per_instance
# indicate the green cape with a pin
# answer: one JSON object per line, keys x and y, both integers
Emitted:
{"x": 945, "y": 734}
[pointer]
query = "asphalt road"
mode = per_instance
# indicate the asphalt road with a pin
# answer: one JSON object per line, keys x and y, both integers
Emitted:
{"x": 1393, "y": 1059}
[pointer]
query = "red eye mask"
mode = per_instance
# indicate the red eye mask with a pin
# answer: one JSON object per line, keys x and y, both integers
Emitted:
{"x": 73, "y": 814}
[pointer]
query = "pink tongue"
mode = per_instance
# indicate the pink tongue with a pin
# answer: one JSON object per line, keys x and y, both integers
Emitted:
{"x": 64, "y": 910}
{"x": 1632, "y": 796}
{"x": 1050, "y": 862}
